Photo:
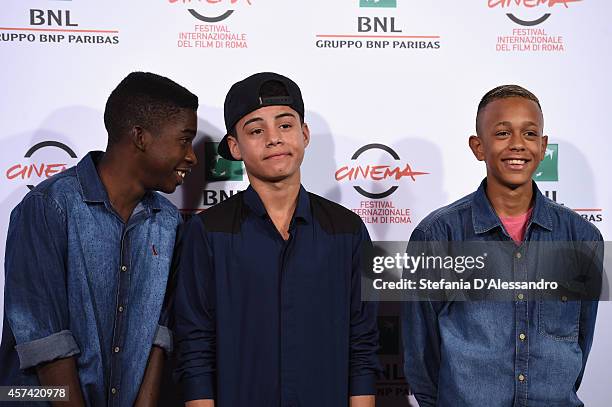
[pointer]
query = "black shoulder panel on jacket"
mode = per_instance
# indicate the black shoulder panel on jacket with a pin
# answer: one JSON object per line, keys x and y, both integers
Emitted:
{"x": 334, "y": 218}
{"x": 226, "y": 217}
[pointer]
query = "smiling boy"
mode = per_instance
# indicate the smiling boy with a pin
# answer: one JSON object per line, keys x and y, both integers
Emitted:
{"x": 502, "y": 353}
{"x": 268, "y": 308}
{"x": 88, "y": 255}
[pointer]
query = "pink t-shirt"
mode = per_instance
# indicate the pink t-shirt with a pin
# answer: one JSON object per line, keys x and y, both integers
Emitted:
{"x": 516, "y": 225}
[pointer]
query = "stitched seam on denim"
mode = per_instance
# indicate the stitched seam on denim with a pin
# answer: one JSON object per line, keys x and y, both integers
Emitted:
{"x": 58, "y": 208}
{"x": 543, "y": 332}
{"x": 527, "y": 361}
{"x": 555, "y": 206}
{"x": 446, "y": 211}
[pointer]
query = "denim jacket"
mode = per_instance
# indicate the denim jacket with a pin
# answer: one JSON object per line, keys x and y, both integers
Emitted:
{"x": 499, "y": 353}
{"x": 80, "y": 282}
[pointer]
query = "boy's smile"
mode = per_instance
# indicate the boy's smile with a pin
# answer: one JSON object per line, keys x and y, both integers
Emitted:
{"x": 510, "y": 140}
{"x": 170, "y": 153}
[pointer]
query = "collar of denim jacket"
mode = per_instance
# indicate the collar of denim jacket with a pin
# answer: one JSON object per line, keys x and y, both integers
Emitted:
{"x": 484, "y": 217}
{"x": 93, "y": 190}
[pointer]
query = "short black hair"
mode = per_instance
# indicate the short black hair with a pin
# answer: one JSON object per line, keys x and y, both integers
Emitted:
{"x": 144, "y": 99}
{"x": 270, "y": 89}
{"x": 502, "y": 92}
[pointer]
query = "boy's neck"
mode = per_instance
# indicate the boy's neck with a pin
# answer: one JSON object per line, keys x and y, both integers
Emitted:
{"x": 280, "y": 201}
{"x": 508, "y": 202}
{"x": 122, "y": 187}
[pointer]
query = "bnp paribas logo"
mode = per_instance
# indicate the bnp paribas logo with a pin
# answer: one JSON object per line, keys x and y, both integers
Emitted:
{"x": 548, "y": 170}
{"x": 218, "y": 168}
{"x": 378, "y": 3}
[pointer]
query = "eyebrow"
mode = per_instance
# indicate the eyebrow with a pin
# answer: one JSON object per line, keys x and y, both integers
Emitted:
{"x": 286, "y": 114}
{"x": 278, "y": 116}
{"x": 254, "y": 119}
{"x": 191, "y": 132}
{"x": 506, "y": 123}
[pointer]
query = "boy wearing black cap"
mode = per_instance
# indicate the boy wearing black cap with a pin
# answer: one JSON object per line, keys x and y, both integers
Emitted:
{"x": 268, "y": 309}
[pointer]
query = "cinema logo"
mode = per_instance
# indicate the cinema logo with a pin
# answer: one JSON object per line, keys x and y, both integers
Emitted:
{"x": 378, "y": 27}
{"x": 43, "y": 160}
{"x": 530, "y": 14}
{"x": 529, "y": 5}
{"x": 211, "y": 30}
{"x": 56, "y": 26}
{"x": 375, "y": 177}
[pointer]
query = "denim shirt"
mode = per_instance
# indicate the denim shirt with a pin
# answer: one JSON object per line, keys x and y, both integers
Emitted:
{"x": 80, "y": 282}
{"x": 499, "y": 353}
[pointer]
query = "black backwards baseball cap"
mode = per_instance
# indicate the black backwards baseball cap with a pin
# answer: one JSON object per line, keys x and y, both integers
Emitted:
{"x": 245, "y": 97}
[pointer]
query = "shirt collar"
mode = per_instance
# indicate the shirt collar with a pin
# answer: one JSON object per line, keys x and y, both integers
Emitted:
{"x": 93, "y": 190}
{"x": 302, "y": 210}
{"x": 484, "y": 217}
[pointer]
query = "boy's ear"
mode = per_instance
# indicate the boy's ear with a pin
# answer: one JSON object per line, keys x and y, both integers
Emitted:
{"x": 477, "y": 148}
{"x": 306, "y": 134}
{"x": 140, "y": 137}
{"x": 544, "y": 145}
{"x": 234, "y": 148}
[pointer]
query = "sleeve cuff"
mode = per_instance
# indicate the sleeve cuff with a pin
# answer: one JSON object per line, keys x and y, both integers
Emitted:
{"x": 201, "y": 387}
{"x": 163, "y": 338}
{"x": 363, "y": 385}
{"x": 56, "y": 346}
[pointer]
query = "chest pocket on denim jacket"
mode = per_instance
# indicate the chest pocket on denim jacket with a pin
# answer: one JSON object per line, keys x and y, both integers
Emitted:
{"x": 559, "y": 319}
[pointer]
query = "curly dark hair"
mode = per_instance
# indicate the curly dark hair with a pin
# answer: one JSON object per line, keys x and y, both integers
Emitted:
{"x": 144, "y": 99}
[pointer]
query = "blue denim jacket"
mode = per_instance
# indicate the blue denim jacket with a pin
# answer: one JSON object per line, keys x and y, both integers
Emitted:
{"x": 486, "y": 353}
{"x": 80, "y": 282}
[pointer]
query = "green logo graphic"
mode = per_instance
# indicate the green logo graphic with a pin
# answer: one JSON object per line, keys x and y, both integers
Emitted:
{"x": 378, "y": 3}
{"x": 218, "y": 168}
{"x": 548, "y": 170}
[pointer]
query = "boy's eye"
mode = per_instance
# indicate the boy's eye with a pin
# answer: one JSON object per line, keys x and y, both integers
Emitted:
{"x": 256, "y": 131}
{"x": 531, "y": 134}
{"x": 502, "y": 133}
{"x": 285, "y": 126}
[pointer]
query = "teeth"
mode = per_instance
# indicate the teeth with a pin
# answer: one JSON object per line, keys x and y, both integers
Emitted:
{"x": 181, "y": 174}
{"x": 516, "y": 162}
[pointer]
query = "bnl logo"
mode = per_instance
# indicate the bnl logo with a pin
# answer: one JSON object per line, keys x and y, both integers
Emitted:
{"x": 377, "y": 24}
{"x": 548, "y": 170}
{"x": 218, "y": 168}
{"x": 378, "y": 3}
{"x": 60, "y": 18}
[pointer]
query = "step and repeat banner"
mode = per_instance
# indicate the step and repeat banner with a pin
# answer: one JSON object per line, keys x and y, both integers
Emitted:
{"x": 390, "y": 89}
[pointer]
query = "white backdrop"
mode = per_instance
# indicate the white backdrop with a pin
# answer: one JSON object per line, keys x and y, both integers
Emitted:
{"x": 405, "y": 74}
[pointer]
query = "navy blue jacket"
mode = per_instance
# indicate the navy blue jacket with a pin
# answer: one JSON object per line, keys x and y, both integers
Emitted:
{"x": 265, "y": 322}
